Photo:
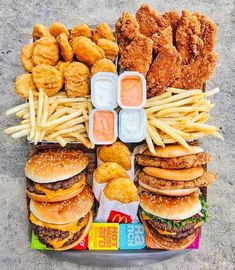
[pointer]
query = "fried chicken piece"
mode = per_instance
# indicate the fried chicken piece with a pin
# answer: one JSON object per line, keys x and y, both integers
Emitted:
{"x": 109, "y": 47}
{"x": 150, "y": 21}
{"x": 188, "y": 41}
{"x": 183, "y": 162}
{"x": 80, "y": 30}
{"x": 138, "y": 55}
{"x": 45, "y": 51}
{"x": 103, "y": 30}
{"x": 203, "y": 181}
{"x": 39, "y": 31}
{"x": 103, "y": 65}
{"x": 163, "y": 39}
{"x": 23, "y": 84}
{"x": 48, "y": 78}
{"x": 66, "y": 50}
{"x": 164, "y": 69}
{"x": 61, "y": 66}
{"x": 194, "y": 75}
{"x": 87, "y": 51}
{"x": 172, "y": 18}
{"x": 58, "y": 28}
{"x": 26, "y": 57}
{"x": 77, "y": 80}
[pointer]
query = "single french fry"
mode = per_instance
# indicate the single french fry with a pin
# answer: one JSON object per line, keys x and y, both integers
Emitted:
{"x": 201, "y": 127}
{"x": 150, "y": 144}
{"x": 176, "y": 90}
{"x": 21, "y": 133}
{"x": 45, "y": 112}
{"x": 64, "y": 131}
{"x": 154, "y": 99}
{"x": 154, "y": 135}
{"x": 70, "y": 123}
{"x": 40, "y": 106}
{"x": 83, "y": 140}
{"x": 17, "y": 108}
{"x": 61, "y": 141}
{"x": 14, "y": 129}
{"x": 25, "y": 121}
{"x": 53, "y": 107}
{"x": 212, "y": 92}
{"x": 32, "y": 114}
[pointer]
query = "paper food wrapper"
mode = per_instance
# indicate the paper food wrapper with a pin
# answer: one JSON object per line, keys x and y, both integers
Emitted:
{"x": 115, "y": 211}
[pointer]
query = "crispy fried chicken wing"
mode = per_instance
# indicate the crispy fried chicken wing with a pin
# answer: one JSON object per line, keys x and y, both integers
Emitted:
{"x": 164, "y": 69}
{"x": 150, "y": 21}
{"x": 138, "y": 55}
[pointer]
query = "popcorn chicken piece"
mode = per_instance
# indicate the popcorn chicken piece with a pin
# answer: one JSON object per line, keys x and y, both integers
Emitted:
{"x": 48, "y": 78}
{"x": 58, "y": 28}
{"x": 26, "y": 57}
{"x": 109, "y": 47}
{"x": 121, "y": 189}
{"x": 23, "y": 84}
{"x": 103, "y": 30}
{"x": 66, "y": 50}
{"x": 77, "y": 80}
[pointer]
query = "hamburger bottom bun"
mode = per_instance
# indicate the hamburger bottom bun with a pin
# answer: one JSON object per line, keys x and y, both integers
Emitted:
{"x": 85, "y": 232}
{"x": 172, "y": 151}
{"x": 65, "y": 211}
{"x": 55, "y": 165}
{"x": 175, "y": 175}
{"x": 169, "y": 243}
{"x": 172, "y": 192}
{"x": 43, "y": 198}
{"x": 173, "y": 208}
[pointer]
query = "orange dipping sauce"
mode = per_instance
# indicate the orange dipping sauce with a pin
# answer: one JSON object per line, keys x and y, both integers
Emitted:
{"x": 131, "y": 92}
{"x": 103, "y": 126}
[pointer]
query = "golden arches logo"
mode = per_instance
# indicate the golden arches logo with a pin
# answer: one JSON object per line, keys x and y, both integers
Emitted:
{"x": 118, "y": 218}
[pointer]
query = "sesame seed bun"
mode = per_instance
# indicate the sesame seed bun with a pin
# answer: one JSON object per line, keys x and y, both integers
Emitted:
{"x": 65, "y": 211}
{"x": 55, "y": 165}
{"x": 173, "y": 208}
{"x": 175, "y": 175}
{"x": 171, "y": 151}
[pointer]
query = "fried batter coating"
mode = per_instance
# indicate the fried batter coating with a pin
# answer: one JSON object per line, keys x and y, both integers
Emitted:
{"x": 138, "y": 55}
{"x": 121, "y": 189}
{"x": 26, "y": 57}
{"x": 150, "y": 21}
{"x": 108, "y": 171}
{"x": 79, "y": 30}
{"x": 76, "y": 80}
{"x": 58, "y": 28}
{"x": 103, "y": 30}
{"x": 164, "y": 69}
{"x": 48, "y": 78}
{"x": 110, "y": 48}
{"x": 66, "y": 50}
{"x": 163, "y": 39}
{"x": 23, "y": 84}
{"x": 61, "y": 66}
{"x": 87, "y": 51}
{"x": 103, "y": 65}
{"x": 116, "y": 152}
{"x": 172, "y": 18}
{"x": 45, "y": 51}
{"x": 39, "y": 31}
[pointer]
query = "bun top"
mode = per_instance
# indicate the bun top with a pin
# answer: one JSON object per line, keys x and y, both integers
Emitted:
{"x": 55, "y": 165}
{"x": 171, "y": 151}
{"x": 65, "y": 211}
{"x": 173, "y": 208}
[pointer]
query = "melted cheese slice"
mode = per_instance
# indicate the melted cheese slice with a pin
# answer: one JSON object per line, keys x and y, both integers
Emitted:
{"x": 145, "y": 217}
{"x": 198, "y": 225}
{"x": 165, "y": 232}
{"x": 60, "y": 192}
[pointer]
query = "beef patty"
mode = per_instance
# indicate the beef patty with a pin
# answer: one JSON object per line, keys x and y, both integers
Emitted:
{"x": 184, "y": 162}
{"x": 64, "y": 184}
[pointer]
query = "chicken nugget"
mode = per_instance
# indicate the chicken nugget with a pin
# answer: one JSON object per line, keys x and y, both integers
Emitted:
{"x": 103, "y": 30}
{"x": 108, "y": 171}
{"x": 23, "y": 84}
{"x": 87, "y": 51}
{"x": 116, "y": 152}
{"x": 66, "y": 50}
{"x": 58, "y": 28}
{"x": 48, "y": 78}
{"x": 80, "y": 30}
{"x": 103, "y": 65}
{"x": 110, "y": 48}
{"x": 121, "y": 189}
{"x": 76, "y": 77}
{"x": 61, "y": 66}
{"x": 45, "y": 51}
{"x": 39, "y": 31}
{"x": 26, "y": 57}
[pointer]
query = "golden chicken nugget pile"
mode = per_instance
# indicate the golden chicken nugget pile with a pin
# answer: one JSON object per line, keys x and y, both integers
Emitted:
{"x": 60, "y": 58}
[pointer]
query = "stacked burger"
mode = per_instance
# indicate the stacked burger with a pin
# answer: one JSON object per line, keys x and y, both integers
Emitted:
{"x": 60, "y": 199}
{"x": 172, "y": 208}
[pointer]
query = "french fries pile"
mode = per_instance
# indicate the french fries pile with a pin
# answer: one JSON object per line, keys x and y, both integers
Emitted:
{"x": 52, "y": 119}
{"x": 179, "y": 116}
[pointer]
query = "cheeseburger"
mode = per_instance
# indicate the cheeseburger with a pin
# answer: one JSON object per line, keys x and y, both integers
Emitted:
{"x": 56, "y": 175}
{"x": 172, "y": 222}
{"x": 174, "y": 170}
{"x": 62, "y": 225}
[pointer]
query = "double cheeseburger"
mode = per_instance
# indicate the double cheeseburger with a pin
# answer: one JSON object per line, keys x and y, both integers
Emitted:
{"x": 62, "y": 225}
{"x": 172, "y": 222}
{"x": 174, "y": 170}
{"x": 56, "y": 175}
